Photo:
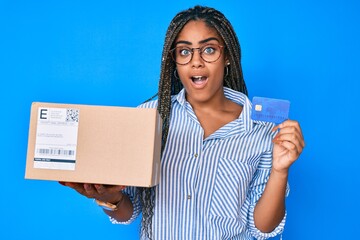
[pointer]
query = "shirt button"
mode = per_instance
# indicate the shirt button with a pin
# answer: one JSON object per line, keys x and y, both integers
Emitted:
{"x": 188, "y": 197}
{"x": 196, "y": 155}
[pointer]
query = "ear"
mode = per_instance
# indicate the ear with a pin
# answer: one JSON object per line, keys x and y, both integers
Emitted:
{"x": 227, "y": 60}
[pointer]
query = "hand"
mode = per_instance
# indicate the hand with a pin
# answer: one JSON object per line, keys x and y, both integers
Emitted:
{"x": 105, "y": 193}
{"x": 288, "y": 145}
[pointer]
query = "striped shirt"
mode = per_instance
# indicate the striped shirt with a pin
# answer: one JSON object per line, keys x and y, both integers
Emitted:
{"x": 209, "y": 187}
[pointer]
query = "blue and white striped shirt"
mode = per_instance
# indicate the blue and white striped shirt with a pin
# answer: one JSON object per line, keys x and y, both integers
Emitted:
{"x": 209, "y": 187}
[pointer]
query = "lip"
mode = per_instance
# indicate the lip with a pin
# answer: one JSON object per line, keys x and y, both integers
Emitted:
{"x": 201, "y": 81}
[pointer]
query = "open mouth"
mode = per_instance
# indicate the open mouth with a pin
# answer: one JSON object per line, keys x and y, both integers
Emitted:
{"x": 199, "y": 80}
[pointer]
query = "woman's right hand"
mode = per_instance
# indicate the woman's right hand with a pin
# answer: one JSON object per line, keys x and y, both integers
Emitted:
{"x": 104, "y": 193}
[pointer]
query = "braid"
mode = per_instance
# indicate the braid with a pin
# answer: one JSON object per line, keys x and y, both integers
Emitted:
{"x": 217, "y": 20}
{"x": 170, "y": 85}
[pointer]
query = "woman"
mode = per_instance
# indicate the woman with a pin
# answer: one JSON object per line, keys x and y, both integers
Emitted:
{"x": 223, "y": 175}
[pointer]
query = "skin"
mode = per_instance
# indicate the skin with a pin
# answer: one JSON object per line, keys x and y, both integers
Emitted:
{"x": 213, "y": 111}
{"x": 208, "y": 101}
{"x": 106, "y": 193}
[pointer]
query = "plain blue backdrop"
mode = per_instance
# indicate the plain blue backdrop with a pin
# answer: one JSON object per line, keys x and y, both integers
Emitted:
{"x": 108, "y": 53}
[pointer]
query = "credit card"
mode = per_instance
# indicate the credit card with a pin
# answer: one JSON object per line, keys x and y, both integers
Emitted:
{"x": 270, "y": 109}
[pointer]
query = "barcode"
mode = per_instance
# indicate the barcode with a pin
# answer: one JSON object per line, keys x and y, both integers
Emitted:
{"x": 55, "y": 152}
{"x": 72, "y": 115}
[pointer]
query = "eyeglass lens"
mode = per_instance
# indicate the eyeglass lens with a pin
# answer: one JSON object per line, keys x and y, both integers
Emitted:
{"x": 209, "y": 53}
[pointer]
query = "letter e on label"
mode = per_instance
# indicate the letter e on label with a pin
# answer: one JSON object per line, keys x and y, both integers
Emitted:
{"x": 43, "y": 114}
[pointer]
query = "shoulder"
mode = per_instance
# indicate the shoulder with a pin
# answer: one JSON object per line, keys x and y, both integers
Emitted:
{"x": 237, "y": 97}
{"x": 149, "y": 104}
{"x": 154, "y": 103}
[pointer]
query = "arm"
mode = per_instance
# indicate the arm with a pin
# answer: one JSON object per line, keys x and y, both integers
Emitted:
{"x": 270, "y": 209}
{"x": 288, "y": 145}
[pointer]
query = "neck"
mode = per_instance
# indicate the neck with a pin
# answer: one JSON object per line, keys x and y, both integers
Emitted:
{"x": 217, "y": 102}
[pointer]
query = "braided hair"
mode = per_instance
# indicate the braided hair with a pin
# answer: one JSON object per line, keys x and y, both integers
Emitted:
{"x": 169, "y": 84}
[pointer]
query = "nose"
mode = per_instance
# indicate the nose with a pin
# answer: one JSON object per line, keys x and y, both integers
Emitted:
{"x": 196, "y": 60}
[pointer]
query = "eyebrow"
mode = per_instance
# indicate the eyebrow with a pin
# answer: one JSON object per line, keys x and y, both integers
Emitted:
{"x": 200, "y": 42}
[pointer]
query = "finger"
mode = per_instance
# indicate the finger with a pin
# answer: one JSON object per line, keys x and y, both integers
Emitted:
{"x": 100, "y": 188}
{"x": 292, "y": 149}
{"x": 71, "y": 185}
{"x": 79, "y": 187}
{"x": 90, "y": 190}
{"x": 62, "y": 183}
{"x": 290, "y": 126}
{"x": 289, "y": 134}
{"x": 289, "y": 131}
{"x": 288, "y": 123}
{"x": 293, "y": 138}
{"x": 116, "y": 188}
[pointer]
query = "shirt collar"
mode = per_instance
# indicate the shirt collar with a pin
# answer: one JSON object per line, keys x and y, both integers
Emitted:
{"x": 235, "y": 96}
{"x": 243, "y": 100}
{"x": 180, "y": 97}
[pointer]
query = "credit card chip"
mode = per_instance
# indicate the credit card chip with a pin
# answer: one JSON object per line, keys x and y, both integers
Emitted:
{"x": 258, "y": 107}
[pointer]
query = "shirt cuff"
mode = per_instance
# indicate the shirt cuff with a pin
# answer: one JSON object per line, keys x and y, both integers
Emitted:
{"x": 136, "y": 212}
{"x": 261, "y": 235}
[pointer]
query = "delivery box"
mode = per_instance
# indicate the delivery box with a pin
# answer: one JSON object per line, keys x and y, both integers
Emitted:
{"x": 94, "y": 144}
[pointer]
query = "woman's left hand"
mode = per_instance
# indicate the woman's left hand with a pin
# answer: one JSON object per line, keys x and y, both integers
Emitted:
{"x": 288, "y": 145}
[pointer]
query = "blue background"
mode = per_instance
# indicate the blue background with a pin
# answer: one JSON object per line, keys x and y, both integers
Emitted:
{"x": 108, "y": 53}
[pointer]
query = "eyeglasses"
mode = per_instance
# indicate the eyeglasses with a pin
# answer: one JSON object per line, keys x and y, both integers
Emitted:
{"x": 209, "y": 53}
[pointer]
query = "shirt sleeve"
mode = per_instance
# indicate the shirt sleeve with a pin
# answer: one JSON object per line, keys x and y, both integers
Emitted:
{"x": 257, "y": 187}
{"x": 131, "y": 193}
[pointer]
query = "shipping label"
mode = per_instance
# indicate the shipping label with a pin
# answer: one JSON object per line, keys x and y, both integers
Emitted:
{"x": 56, "y": 138}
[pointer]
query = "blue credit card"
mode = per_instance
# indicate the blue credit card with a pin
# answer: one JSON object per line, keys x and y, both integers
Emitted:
{"x": 270, "y": 109}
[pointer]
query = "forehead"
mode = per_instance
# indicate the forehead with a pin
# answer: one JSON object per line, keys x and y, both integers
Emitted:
{"x": 195, "y": 31}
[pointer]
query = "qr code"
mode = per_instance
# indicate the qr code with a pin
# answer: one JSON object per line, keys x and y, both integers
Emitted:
{"x": 72, "y": 115}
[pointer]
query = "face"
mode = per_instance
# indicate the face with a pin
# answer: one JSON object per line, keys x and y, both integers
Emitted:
{"x": 202, "y": 80}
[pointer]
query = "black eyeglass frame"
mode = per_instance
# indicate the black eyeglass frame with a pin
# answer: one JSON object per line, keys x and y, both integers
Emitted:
{"x": 200, "y": 52}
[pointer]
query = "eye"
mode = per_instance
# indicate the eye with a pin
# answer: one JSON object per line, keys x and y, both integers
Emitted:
{"x": 182, "y": 51}
{"x": 209, "y": 50}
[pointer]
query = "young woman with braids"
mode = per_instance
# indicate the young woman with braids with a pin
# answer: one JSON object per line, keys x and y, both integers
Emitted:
{"x": 223, "y": 175}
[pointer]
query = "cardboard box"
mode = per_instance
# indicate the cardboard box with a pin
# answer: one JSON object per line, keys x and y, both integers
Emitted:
{"x": 94, "y": 144}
